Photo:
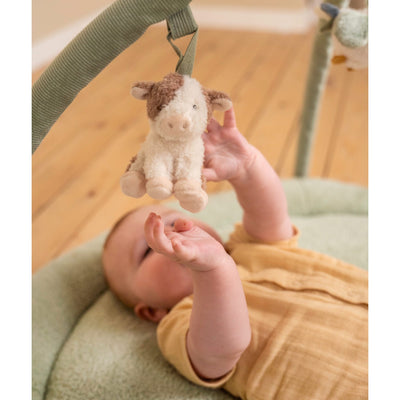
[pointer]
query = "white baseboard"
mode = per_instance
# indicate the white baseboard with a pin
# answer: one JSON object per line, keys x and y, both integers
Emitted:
{"x": 254, "y": 18}
{"x": 215, "y": 17}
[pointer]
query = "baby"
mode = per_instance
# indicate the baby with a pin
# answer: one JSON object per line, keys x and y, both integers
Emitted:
{"x": 259, "y": 316}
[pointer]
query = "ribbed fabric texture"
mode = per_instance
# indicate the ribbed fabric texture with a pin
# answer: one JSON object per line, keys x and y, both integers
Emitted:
{"x": 182, "y": 23}
{"x": 317, "y": 74}
{"x": 90, "y": 51}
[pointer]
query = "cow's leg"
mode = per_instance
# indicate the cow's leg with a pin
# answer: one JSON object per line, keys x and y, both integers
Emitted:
{"x": 132, "y": 182}
{"x": 159, "y": 188}
{"x": 190, "y": 195}
{"x": 159, "y": 185}
{"x": 188, "y": 186}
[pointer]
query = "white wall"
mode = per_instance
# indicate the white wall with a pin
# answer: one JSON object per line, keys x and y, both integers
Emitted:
{"x": 56, "y": 22}
{"x": 50, "y": 16}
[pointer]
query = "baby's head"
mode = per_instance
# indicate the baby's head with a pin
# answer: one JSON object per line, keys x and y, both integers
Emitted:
{"x": 149, "y": 282}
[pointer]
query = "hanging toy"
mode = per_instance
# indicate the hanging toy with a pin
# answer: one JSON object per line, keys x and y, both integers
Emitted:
{"x": 170, "y": 160}
{"x": 350, "y": 35}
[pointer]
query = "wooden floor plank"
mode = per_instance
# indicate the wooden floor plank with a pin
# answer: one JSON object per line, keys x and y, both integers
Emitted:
{"x": 232, "y": 77}
{"x": 328, "y": 118}
{"x": 250, "y": 95}
{"x": 86, "y": 144}
{"x": 104, "y": 216}
{"x": 52, "y": 229}
{"x": 275, "y": 122}
{"x": 349, "y": 155}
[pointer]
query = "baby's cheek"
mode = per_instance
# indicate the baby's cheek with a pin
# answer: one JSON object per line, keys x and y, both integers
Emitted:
{"x": 175, "y": 281}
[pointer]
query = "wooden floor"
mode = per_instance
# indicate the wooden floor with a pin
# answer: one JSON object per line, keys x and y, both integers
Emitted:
{"x": 77, "y": 167}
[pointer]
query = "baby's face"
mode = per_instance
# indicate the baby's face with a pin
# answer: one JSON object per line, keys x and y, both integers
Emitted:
{"x": 137, "y": 273}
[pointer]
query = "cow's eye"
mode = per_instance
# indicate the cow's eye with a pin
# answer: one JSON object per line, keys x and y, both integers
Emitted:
{"x": 195, "y": 107}
{"x": 160, "y": 107}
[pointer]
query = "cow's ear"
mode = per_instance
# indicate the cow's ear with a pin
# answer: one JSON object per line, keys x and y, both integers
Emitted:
{"x": 141, "y": 90}
{"x": 219, "y": 101}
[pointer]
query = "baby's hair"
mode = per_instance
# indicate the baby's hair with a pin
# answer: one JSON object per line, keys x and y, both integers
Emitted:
{"x": 110, "y": 234}
{"x": 116, "y": 225}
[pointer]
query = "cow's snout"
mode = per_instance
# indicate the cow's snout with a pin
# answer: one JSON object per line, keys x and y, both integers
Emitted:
{"x": 177, "y": 123}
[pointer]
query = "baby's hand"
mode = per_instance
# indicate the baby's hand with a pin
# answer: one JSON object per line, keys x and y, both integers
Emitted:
{"x": 185, "y": 243}
{"x": 227, "y": 152}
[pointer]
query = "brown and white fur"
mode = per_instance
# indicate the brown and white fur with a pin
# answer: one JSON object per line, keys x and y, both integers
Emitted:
{"x": 170, "y": 160}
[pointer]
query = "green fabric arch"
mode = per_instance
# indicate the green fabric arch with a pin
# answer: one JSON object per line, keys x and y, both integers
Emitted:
{"x": 316, "y": 82}
{"x": 94, "y": 48}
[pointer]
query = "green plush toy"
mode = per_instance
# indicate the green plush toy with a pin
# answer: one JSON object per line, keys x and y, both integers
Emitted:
{"x": 350, "y": 35}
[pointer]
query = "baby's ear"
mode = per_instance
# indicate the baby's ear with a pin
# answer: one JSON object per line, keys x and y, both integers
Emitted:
{"x": 219, "y": 101}
{"x": 147, "y": 313}
{"x": 141, "y": 90}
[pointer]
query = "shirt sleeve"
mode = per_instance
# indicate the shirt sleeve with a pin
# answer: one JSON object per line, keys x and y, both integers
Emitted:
{"x": 171, "y": 337}
{"x": 240, "y": 236}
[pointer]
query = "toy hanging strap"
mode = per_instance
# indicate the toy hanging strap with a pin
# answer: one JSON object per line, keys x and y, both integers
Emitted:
{"x": 182, "y": 24}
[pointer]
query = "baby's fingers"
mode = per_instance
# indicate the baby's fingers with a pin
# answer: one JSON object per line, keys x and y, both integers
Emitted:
{"x": 210, "y": 174}
{"x": 213, "y": 126}
{"x": 155, "y": 235}
{"x": 183, "y": 225}
{"x": 184, "y": 250}
{"x": 229, "y": 119}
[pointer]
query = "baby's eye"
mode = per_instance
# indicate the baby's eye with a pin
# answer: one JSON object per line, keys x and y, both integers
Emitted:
{"x": 170, "y": 224}
{"x": 195, "y": 107}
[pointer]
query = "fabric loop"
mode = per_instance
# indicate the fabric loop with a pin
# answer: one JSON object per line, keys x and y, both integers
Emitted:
{"x": 186, "y": 61}
{"x": 182, "y": 24}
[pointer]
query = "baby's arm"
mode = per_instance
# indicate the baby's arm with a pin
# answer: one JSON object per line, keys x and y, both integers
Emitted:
{"x": 219, "y": 329}
{"x": 228, "y": 156}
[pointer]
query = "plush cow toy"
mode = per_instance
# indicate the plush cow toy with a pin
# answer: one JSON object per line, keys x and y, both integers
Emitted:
{"x": 170, "y": 160}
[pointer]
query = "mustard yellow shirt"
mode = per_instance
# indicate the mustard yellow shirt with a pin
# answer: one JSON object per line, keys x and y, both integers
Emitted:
{"x": 309, "y": 319}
